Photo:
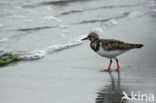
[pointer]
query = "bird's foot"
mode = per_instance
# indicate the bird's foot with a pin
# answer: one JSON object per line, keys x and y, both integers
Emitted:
{"x": 105, "y": 70}
{"x": 117, "y": 70}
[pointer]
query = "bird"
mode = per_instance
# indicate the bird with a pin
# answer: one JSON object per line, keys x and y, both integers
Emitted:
{"x": 109, "y": 48}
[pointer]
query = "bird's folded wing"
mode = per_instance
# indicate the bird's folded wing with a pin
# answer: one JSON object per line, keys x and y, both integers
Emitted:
{"x": 111, "y": 44}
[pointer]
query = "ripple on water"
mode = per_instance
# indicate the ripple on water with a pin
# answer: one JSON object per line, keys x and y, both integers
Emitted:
{"x": 111, "y": 22}
{"x": 2, "y": 40}
{"x": 40, "y": 53}
{"x": 135, "y": 14}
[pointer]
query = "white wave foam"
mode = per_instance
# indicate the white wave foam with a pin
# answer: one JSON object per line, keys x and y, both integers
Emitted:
{"x": 9, "y": 10}
{"x": 154, "y": 10}
{"x": 6, "y": 50}
{"x": 111, "y": 22}
{"x": 36, "y": 54}
{"x": 18, "y": 16}
{"x": 28, "y": 21}
{"x": 53, "y": 18}
{"x": 3, "y": 40}
{"x": 40, "y": 53}
{"x": 1, "y": 25}
{"x": 135, "y": 14}
{"x": 64, "y": 26}
{"x": 65, "y": 31}
{"x": 18, "y": 7}
{"x": 48, "y": 8}
{"x": 63, "y": 34}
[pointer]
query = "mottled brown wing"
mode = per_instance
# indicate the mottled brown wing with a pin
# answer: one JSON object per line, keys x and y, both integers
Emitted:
{"x": 110, "y": 44}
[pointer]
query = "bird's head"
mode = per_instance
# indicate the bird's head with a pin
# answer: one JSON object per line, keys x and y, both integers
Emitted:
{"x": 92, "y": 37}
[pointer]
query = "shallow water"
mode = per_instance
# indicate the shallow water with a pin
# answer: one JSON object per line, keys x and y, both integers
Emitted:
{"x": 27, "y": 26}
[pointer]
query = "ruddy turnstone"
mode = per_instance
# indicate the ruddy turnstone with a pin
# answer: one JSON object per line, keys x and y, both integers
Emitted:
{"x": 109, "y": 48}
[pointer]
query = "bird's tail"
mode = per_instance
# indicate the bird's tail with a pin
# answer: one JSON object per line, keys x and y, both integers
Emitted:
{"x": 138, "y": 45}
{"x": 135, "y": 46}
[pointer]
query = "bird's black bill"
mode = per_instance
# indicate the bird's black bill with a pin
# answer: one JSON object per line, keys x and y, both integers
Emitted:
{"x": 85, "y": 38}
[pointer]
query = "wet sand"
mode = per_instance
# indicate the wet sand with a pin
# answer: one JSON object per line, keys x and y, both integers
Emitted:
{"x": 72, "y": 75}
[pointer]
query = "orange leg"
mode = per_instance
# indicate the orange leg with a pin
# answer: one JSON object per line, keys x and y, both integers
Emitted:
{"x": 118, "y": 67}
{"x": 108, "y": 67}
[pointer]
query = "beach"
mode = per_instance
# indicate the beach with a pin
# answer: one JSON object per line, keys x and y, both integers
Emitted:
{"x": 57, "y": 67}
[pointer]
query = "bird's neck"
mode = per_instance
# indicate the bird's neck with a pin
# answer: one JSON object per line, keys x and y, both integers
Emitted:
{"x": 97, "y": 40}
{"x": 95, "y": 45}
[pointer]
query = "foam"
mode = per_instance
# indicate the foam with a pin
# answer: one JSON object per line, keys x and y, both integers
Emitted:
{"x": 4, "y": 40}
{"x": 40, "y": 53}
{"x": 135, "y": 14}
{"x": 18, "y": 16}
{"x": 1, "y": 25}
{"x": 53, "y": 18}
{"x": 111, "y": 22}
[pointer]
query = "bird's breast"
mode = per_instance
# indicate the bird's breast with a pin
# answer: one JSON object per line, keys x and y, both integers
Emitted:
{"x": 109, "y": 54}
{"x": 95, "y": 46}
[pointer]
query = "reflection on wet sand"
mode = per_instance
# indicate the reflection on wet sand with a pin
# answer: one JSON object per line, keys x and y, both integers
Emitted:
{"x": 112, "y": 93}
